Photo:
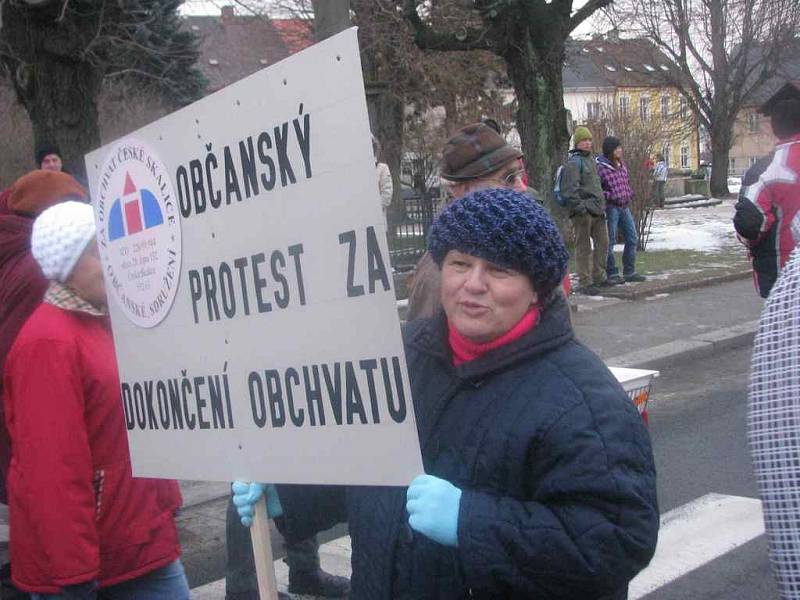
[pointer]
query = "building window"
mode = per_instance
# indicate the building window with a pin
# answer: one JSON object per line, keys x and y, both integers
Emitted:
{"x": 664, "y": 108}
{"x": 752, "y": 122}
{"x": 644, "y": 109}
{"x": 731, "y": 164}
{"x": 667, "y": 151}
{"x": 684, "y": 108}
{"x": 624, "y": 106}
{"x": 753, "y": 160}
{"x": 592, "y": 111}
{"x": 685, "y": 157}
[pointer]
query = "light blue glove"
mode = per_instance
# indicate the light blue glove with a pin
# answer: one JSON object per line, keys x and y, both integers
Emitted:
{"x": 245, "y": 496}
{"x": 432, "y": 504}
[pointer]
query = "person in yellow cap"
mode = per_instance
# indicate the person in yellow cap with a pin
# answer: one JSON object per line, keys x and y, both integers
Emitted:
{"x": 586, "y": 204}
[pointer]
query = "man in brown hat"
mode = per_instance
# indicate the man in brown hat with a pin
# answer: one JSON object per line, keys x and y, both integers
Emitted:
{"x": 476, "y": 157}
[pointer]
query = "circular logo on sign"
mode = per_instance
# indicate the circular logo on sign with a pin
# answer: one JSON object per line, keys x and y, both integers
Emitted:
{"x": 138, "y": 232}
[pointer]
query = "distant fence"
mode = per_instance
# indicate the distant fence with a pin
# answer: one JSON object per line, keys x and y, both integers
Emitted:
{"x": 408, "y": 228}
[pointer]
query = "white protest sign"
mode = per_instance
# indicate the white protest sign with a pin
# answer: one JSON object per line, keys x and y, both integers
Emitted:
{"x": 249, "y": 284}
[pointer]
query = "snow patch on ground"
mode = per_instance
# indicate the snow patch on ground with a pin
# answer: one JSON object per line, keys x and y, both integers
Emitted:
{"x": 705, "y": 229}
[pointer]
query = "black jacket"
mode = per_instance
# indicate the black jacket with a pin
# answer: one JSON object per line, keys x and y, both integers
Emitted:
{"x": 748, "y": 221}
{"x": 557, "y": 473}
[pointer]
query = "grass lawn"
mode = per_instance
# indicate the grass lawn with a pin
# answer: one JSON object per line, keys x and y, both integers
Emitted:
{"x": 684, "y": 265}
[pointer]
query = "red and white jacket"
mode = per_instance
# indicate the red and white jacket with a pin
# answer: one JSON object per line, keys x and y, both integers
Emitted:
{"x": 768, "y": 205}
{"x": 76, "y": 513}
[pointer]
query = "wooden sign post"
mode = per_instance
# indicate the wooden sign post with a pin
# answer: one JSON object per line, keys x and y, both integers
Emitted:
{"x": 262, "y": 552}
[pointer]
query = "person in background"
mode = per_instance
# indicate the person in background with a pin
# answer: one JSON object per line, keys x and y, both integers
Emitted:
{"x": 539, "y": 476}
{"x": 619, "y": 194}
{"x": 586, "y": 203}
{"x": 770, "y": 198}
{"x": 475, "y": 158}
{"x": 660, "y": 173}
{"x": 48, "y": 158}
{"x": 385, "y": 185}
{"x": 80, "y": 524}
{"x": 529, "y": 189}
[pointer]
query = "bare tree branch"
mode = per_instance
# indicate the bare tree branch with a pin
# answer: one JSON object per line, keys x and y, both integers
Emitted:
{"x": 586, "y": 11}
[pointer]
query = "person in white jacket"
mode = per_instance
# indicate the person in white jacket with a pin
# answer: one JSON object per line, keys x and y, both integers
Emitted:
{"x": 385, "y": 185}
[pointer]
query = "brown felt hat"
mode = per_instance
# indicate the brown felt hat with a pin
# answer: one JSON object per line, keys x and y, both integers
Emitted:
{"x": 475, "y": 151}
{"x": 38, "y": 190}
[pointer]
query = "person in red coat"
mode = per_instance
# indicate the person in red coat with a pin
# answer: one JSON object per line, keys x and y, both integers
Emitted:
{"x": 81, "y": 527}
{"x": 22, "y": 284}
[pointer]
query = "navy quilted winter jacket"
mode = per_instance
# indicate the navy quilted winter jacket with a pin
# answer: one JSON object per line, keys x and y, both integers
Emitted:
{"x": 556, "y": 468}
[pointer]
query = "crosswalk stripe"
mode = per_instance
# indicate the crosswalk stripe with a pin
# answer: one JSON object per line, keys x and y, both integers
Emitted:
{"x": 691, "y": 536}
{"x": 697, "y": 533}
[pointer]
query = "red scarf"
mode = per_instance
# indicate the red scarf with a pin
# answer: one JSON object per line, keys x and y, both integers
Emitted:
{"x": 465, "y": 350}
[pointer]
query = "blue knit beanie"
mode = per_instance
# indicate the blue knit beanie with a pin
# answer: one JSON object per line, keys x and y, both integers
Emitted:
{"x": 504, "y": 227}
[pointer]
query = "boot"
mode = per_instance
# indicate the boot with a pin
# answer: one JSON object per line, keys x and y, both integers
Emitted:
{"x": 318, "y": 583}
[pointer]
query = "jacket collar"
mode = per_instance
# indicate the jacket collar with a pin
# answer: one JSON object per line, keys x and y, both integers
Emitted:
{"x": 553, "y": 330}
{"x": 603, "y": 160}
{"x": 790, "y": 140}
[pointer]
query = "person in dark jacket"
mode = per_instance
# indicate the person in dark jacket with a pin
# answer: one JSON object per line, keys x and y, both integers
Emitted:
{"x": 539, "y": 476}
{"x": 586, "y": 205}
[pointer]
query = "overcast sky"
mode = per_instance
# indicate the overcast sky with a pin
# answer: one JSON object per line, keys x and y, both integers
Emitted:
{"x": 212, "y": 7}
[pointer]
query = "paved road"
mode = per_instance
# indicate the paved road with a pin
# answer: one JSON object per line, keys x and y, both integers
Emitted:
{"x": 698, "y": 431}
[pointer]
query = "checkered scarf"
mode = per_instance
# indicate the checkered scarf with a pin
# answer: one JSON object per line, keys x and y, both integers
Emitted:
{"x": 61, "y": 296}
{"x": 773, "y": 424}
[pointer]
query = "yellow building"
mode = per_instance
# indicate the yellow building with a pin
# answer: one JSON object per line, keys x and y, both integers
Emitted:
{"x": 621, "y": 83}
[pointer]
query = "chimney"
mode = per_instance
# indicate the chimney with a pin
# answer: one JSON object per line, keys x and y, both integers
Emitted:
{"x": 227, "y": 12}
{"x": 613, "y": 35}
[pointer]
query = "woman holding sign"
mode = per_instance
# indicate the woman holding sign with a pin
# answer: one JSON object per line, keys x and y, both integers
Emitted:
{"x": 539, "y": 480}
{"x": 81, "y": 527}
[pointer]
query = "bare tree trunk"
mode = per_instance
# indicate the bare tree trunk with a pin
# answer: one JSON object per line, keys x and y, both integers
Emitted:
{"x": 57, "y": 90}
{"x": 721, "y": 137}
{"x": 330, "y": 17}
{"x": 541, "y": 118}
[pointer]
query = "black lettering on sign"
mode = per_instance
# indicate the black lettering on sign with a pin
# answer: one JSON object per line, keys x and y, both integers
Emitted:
{"x": 127, "y": 406}
{"x": 257, "y": 403}
{"x": 281, "y": 135}
{"x": 198, "y": 192}
{"x": 376, "y": 269}
{"x": 276, "y": 408}
{"x": 349, "y": 237}
{"x": 231, "y": 179}
{"x": 296, "y": 415}
{"x": 214, "y": 196}
{"x": 313, "y": 391}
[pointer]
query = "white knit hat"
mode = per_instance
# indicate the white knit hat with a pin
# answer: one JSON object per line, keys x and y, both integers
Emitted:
{"x": 59, "y": 237}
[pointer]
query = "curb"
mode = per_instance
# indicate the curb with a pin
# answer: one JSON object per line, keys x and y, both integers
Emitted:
{"x": 679, "y": 351}
{"x": 677, "y": 287}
